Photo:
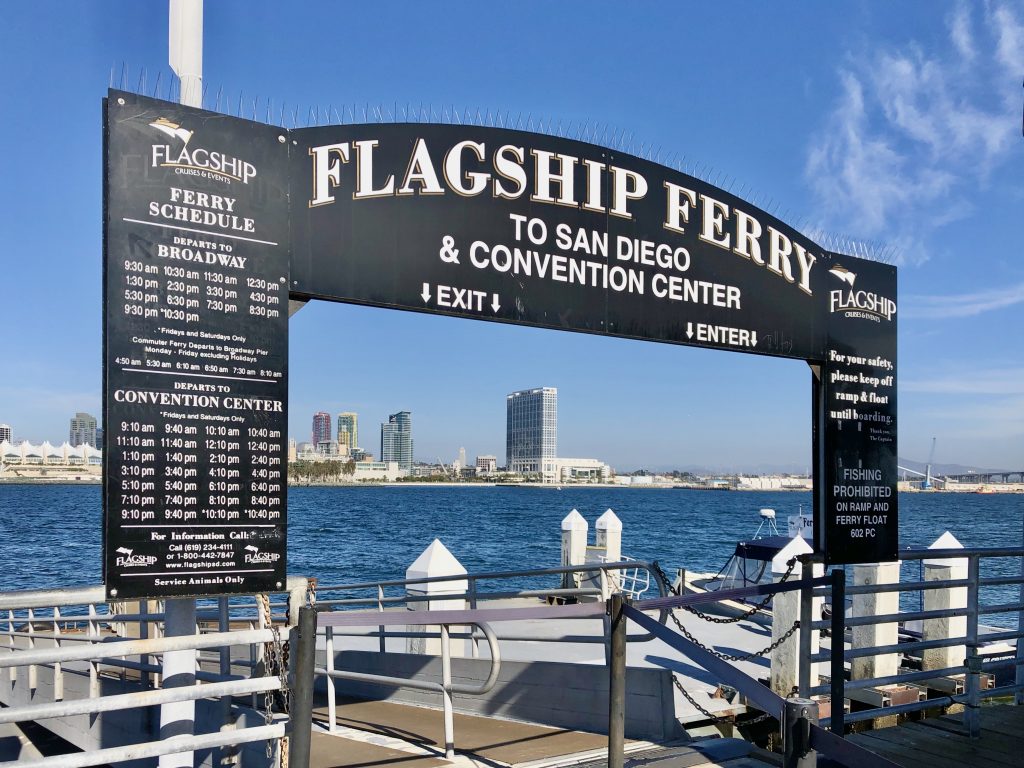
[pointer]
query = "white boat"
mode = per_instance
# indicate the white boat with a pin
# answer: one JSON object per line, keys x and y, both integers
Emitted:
{"x": 750, "y": 563}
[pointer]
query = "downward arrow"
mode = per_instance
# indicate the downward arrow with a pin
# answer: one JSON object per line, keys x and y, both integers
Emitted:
{"x": 753, "y": 338}
{"x": 426, "y": 292}
{"x": 689, "y": 330}
{"x": 495, "y": 304}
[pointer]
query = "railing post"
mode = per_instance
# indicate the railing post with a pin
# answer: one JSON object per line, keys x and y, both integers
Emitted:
{"x": 94, "y": 665}
{"x": 474, "y": 642}
{"x": 797, "y": 719}
{"x": 1018, "y": 697}
{"x": 178, "y": 671}
{"x": 837, "y": 660}
{"x": 806, "y": 617}
{"x": 303, "y": 640}
{"x": 616, "y": 683}
{"x": 12, "y": 672}
{"x": 381, "y": 630}
{"x": 446, "y": 683}
{"x": 972, "y": 714}
{"x": 58, "y": 669}
{"x": 331, "y": 696}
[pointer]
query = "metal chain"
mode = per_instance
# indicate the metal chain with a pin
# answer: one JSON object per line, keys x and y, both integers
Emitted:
{"x": 734, "y": 657}
{"x": 275, "y": 661}
{"x": 718, "y": 719}
{"x": 731, "y": 720}
{"x": 790, "y": 567}
{"x": 283, "y": 762}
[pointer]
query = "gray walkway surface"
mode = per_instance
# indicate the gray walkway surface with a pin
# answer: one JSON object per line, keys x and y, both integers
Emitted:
{"x": 736, "y": 638}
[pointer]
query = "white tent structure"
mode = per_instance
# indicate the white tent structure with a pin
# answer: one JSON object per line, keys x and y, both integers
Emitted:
{"x": 65, "y": 455}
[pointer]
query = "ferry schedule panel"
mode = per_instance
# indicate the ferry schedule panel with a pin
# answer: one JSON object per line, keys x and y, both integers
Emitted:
{"x": 196, "y": 352}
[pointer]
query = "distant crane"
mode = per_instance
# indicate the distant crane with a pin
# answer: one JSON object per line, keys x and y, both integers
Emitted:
{"x": 929, "y": 482}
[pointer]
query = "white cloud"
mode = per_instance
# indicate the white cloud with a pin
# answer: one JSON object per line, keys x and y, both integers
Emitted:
{"x": 1009, "y": 34}
{"x": 996, "y": 382}
{"x": 914, "y": 129}
{"x": 960, "y": 32}
{"x": 962, "y": 305}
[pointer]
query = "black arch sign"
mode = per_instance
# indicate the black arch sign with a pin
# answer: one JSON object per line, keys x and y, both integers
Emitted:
{"x": 485, "y": 223}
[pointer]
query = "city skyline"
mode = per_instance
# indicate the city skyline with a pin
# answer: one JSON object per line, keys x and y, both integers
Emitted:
{"x": 904, "y": 133}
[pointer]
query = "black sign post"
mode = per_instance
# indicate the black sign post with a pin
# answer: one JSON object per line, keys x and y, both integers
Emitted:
{"x": 196, "y": 352}
{"x": 213, "y": 222}
{"x": 858, "y": 403}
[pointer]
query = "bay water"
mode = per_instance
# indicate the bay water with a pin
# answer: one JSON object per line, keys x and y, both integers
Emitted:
{"x": 51, "y": 535}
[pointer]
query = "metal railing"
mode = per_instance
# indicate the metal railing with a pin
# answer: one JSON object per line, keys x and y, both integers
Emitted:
{"x": 801, "y": 735}
{"x": 60, "y": 650}
{"x": 446, "y": 687}
{"x": 939, "y": 687}
{"x": 605, "y": 574}
{"x": 802, "y": 738}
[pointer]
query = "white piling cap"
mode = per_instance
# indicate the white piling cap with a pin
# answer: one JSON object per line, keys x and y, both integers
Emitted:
{"x": 609, "y": 521}
{"x": 797, "y": 546}
{"x": 435, "y": 560}
{"x": 574, "y": 521}
{"x": 947, "y": 541}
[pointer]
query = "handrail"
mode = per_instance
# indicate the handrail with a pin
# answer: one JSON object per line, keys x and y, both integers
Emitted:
{"x": 29, "y": 657}
{"x": 404, "y": 682}
{"x": 67, "y": 708}
{"x": 445, "y": 687}
{"x": 37, "y": 598}
{"x": 490, "y": 575}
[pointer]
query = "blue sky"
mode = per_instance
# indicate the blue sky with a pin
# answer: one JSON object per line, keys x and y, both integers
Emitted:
{"x": 894, "y": 123}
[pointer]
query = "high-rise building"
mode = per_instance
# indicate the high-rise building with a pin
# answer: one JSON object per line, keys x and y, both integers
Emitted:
{"x": 348, "y": 429}
{"x": 396, "y": 440}
{"x": 531, "y": 433}
{"x": 5, "y": 433}
{"x": 321, "y": 428}
{"x": 83, "y": 430}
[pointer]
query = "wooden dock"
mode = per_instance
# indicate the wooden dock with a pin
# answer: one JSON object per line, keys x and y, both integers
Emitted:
{"x": 942, "y": 742}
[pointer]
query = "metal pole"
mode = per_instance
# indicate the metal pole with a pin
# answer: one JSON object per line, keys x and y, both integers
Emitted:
{"x": 1018, "y": 697}
{"x": 797, "y": 719}
{"x": 303, "y": 640}
{"x": 224, "y": 625}
{"x": 179, "y": 670}
{"x": 837, "y": 662}
{"x": 381, "y": 629}
{"x": 185, "y": 56}
{"x": 972, "y": 716}
{"x": 616, "y": 683}
{"x": 332, "y": 712}
{"x": 446, "y": 684}
{"x": 806, "y": 602}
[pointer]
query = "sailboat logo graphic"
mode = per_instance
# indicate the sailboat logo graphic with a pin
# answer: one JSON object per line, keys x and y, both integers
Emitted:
{"x": 843, "y": 274}
{"x": 173, "y": 130}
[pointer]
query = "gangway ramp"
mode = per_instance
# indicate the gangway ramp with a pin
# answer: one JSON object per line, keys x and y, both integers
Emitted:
{"x": 377, "y": 733}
